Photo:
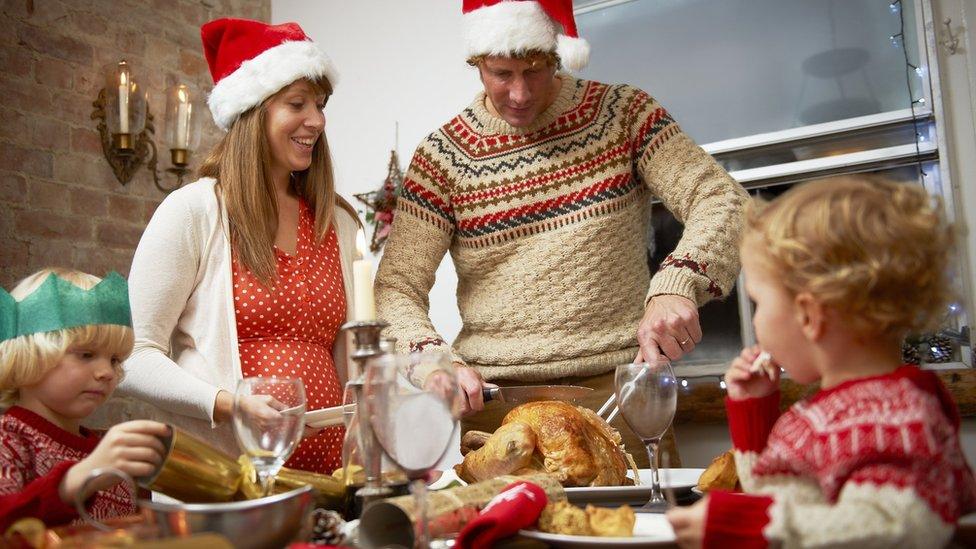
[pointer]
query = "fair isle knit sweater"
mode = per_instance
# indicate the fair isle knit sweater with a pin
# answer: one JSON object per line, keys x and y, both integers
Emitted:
{"x": 873, "y": 462}
{"x": 547, "y": 226}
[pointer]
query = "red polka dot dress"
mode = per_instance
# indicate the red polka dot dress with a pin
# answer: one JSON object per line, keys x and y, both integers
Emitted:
{"x": 289, "y": 332}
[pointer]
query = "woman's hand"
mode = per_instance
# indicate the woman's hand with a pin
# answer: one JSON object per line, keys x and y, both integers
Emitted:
{"x": 742, "y": 383}
{"x": 261, "y": 407}
{"x": 133, "y": 447}
{"x": 689, "y": 523}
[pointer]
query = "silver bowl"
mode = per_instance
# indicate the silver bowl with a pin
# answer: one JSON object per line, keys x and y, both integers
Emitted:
{"x": 273, "y": 521}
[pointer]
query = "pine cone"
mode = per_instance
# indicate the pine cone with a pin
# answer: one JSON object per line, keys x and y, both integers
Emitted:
{"x": 327, "y": 528}
{"x": 910, "y": 354}
{"x": 938, "y": 349}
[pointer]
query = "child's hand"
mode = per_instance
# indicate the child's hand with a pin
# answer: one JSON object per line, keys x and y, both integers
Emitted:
{"x": 742, "y": 383}
{"x": 133, "y": 447}
{"x": 689, "y": 523}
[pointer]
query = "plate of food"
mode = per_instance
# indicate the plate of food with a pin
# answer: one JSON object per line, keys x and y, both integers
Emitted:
{"x": 571, "y": 443}
{"x": 563, "y": 524}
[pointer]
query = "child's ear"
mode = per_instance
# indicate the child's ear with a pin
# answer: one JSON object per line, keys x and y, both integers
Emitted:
{"x": 810, "y": 314}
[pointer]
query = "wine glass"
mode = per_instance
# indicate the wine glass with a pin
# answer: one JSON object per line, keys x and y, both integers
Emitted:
{"x": 415, "y": 428}
{"x": 647, "y": 396}
{"x": 268, "y": 423}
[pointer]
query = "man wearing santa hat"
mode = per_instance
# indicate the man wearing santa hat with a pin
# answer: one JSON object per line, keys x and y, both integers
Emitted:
{"x": 541, "y": 190}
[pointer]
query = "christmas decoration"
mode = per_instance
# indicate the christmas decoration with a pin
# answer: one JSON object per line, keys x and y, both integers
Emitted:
{"x": 381, "y": 204}
{"x": 938, "y": 349}
{"x": 910, "y": 354}
{"x": 251, "y": 60}
{"x": 327, "y": 528}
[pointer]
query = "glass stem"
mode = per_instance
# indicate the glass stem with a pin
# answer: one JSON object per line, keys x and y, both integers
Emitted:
{"x": 267, "y": 480}
{"x": 419, "y": 489}
{"x": 655, "y": 482}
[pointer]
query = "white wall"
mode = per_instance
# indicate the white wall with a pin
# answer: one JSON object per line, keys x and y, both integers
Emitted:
{"x": 398, "y": 61}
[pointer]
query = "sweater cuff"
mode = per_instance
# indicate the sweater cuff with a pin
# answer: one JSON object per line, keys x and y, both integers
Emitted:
{"x": 673, "y": 282}
{"x": 751, "y": 420}
{"x": 736, "y": 520}
{"x": 417, "y": 372}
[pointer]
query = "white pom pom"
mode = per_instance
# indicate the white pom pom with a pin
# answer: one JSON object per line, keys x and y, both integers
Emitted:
{"x": 574, "y": 52}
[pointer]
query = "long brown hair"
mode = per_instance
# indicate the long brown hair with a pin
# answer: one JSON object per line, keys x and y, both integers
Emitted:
{"x": 241, "y": 164}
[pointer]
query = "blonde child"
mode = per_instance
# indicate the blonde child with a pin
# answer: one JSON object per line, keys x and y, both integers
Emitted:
{"x": 63, "y": 337}
{"x": 840, "y": 271}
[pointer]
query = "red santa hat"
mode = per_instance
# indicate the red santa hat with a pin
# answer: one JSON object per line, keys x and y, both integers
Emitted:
{"x": 251, "y": 60}
{"x": 504, "y": 27}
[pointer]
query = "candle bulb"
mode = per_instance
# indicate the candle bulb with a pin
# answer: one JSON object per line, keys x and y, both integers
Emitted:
{"x": 182, "y": 119}
{"x": 124, "y": 101}
{"x": 362, "y": 277}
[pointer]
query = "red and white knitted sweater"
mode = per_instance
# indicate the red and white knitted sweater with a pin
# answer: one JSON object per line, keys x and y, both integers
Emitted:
{"x": 872, "y": 462}
{"x": 35, "y": 455}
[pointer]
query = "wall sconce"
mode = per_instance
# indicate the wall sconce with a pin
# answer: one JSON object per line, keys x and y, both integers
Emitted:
{"x": 127, "y": 127}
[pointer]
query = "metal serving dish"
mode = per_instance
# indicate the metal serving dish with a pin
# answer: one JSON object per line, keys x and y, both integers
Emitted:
{"x": 273, "y": 521}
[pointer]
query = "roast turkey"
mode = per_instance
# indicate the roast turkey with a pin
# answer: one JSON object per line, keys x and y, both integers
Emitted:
{"x": 571, "y": 443}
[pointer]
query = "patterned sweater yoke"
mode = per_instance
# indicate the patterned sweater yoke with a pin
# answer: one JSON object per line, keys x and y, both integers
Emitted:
{"x": 547, "y": 226}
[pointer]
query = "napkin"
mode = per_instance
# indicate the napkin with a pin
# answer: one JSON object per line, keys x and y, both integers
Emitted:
{"x": 517, "y": 506}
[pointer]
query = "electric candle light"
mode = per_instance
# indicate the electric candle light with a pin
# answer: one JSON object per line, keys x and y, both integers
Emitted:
{"x": 124, "y": 101}
{"x": 182, "y": 119}
{"x": 364, "y": 308}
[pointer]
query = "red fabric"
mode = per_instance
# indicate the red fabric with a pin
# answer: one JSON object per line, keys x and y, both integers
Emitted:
{"x": 229, "y": 42}
{"x": 290, "y": 332}
{"x": 560, "y": 11}
{"x": 35, "y": 454}
{"x": 736, "y": 520}
{"x": 517, "y": 506}
{"x": 898, "y": 429}
{"x": 751, "y": 420}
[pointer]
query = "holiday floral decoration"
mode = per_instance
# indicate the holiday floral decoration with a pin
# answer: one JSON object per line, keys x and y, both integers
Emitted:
{"x": 381, "y": 204}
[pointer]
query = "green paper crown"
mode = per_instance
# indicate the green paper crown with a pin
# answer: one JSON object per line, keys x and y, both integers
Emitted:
{"x": 58, "y": 304}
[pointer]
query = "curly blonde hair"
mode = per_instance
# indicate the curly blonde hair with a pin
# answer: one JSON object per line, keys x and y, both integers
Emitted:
{"x": 875, "y": 250}
{"x": 25, "y": 360}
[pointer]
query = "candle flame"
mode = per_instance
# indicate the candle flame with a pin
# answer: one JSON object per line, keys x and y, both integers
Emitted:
{"x": 124, "y": 78}
{"x": 182, "y": 95}
{"x": 361, "y": 243}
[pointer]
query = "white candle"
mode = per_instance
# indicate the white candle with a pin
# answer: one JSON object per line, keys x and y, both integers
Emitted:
{"x": 182, "y": 119}
{"x": 123, "y": 102}
{"x": 362, "y": 278}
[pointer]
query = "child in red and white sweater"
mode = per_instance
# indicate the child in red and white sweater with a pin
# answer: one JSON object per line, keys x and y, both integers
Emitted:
{"x": 63, "y": 336}
{"x": 840, "y": 271}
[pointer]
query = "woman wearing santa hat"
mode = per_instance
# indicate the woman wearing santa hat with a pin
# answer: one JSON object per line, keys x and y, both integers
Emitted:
{"x": 246, "y": 272}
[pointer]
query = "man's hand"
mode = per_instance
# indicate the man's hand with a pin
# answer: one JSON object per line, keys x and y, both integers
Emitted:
{"x": 670, "y": 327}
{"x": 469, "y": 383}
{"x": 689, "y": 524}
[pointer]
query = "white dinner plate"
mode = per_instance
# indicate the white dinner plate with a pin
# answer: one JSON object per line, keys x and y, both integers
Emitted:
{"x": 327, "y": 417}
{"x": 679, "y": 480}
{"x": 649, "y": 530}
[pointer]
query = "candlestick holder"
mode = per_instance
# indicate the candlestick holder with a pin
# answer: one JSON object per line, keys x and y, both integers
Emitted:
{"x": 366, "y": 345}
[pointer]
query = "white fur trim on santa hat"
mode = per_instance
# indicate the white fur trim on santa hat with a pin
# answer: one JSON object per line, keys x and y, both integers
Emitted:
{"x": 508, "y": 27}
{"x": 573, "y": 52}
{"x": 259, "y": 78}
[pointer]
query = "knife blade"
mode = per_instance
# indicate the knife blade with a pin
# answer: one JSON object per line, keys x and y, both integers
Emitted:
{"x": 529, "y": 393}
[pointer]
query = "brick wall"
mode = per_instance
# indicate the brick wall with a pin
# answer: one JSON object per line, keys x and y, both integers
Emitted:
{"x": 60, "y": 203}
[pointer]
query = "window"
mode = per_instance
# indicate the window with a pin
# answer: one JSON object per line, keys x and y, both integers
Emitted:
{"x": 783, "y": 91}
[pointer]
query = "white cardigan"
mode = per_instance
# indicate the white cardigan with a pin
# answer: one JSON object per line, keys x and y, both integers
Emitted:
{"x": 181, "y": 292}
